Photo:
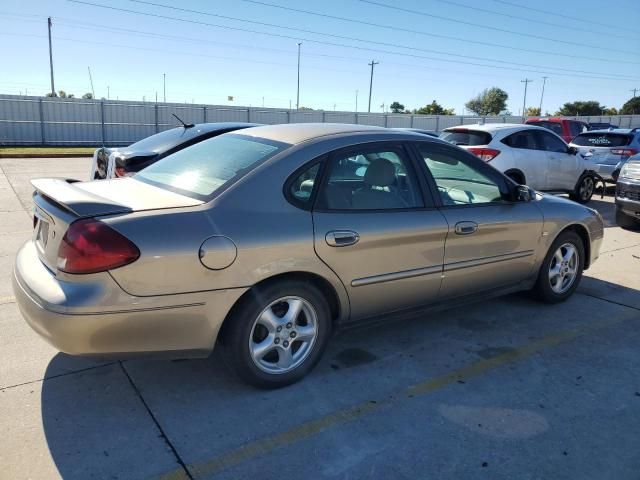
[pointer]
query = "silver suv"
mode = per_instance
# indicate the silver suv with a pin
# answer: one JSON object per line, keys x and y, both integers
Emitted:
{"x": 608, "y": 149}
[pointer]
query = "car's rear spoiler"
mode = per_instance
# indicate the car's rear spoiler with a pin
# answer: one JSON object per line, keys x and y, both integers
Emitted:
{"x": 76, "y": 200}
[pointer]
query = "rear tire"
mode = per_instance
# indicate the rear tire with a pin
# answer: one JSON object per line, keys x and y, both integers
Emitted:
{"x": 277, "y": 335}
{"x": 584, "y": 189}
{"x": 561, "y": 269}
{"x": 625, "y": 221}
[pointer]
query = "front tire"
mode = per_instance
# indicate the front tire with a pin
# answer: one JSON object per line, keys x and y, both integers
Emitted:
{"x": 277, "y": 335}
{"x": 584, "y": 190}
{"x": 561, "y": 269}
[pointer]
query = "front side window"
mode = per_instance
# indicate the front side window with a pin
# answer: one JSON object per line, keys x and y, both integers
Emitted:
{"x": 370, "y": 179}
{"x": 201, "y": 169}
{"x": 550, "y": 143}
{"x": 459, "y": 182}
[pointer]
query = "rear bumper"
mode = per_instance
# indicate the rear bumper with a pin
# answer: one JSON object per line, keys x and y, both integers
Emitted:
{"x": 94, "y": 316}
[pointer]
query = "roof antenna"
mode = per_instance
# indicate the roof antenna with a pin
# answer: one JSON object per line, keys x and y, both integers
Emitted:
{"x": 185, "y": 125}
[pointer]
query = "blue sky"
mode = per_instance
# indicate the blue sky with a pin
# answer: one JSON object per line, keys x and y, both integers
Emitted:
{"x": 129, "y": 52}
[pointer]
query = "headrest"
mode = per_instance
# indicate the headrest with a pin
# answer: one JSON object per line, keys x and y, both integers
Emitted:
{"x": 381, "y": 173}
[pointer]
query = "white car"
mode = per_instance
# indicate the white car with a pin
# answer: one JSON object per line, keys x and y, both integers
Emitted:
{"x": 529, "y": 155}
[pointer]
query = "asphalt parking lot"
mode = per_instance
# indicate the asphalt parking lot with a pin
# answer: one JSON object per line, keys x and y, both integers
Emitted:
{"x": 509, "y": 388}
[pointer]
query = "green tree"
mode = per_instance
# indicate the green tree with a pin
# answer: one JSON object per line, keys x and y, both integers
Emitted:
{"x": 491, "y": 101}
{"x": 396, "y": 107}
{"x": 631, "y": 107}
{"x": 88, "y": 96}
{"x": 434, "y": 108}
{"x": 533, "y": 112}
{"x": 588, "y": 107}
{"x": 63, "y": 94}
{"x": 610, "y": 111}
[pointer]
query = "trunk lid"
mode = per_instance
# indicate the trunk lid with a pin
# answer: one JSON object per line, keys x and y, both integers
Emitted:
{"x": 59, "y": 202}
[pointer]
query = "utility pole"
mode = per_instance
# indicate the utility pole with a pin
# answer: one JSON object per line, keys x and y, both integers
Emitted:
{"x": 93, "y": 93}
{"x": 164, "y": 87}
{"x": 544, "y": 80}
{"x": 108, "y": 92}
{"x": 634, "y": 90}
{"x": 356, "y": 100}
{"x": 526, "y": 81}
{"x": 372, "y": 64}
{"x": 53, "y": 89}
{"x": 298, "y": 90}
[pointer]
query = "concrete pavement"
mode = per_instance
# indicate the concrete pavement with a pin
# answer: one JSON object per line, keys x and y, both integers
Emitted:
{"x": 508, "y": 388}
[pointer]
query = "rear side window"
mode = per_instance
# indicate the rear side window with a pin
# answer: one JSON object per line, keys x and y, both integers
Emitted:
{"x": 590, "y": 139}
{"x": 555, "y": 127}
{"x": 576, "y": 128}
{"x": 201, "y": 169}
{"x": 524, "y": 139}
{"x": 464, "y": 136}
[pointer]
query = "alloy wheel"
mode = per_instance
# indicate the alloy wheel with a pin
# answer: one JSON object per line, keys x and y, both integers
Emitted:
{"x": 586, "y": 188}
{"x": 283, "y": 335}
{"x": 563, "y": 268}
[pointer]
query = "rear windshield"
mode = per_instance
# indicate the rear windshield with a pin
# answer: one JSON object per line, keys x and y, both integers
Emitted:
{"x": 463, "y": 136}
{"x": 553, "y": 126}
{"x": 201, "y": 169}
{"x": 163, "y": 141}
{"x": 602, "y": 140}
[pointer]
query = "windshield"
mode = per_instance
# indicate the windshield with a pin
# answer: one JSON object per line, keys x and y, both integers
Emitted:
{"x": 602, "y": 140}
{"x": 198, "y": 171}
{"x": 466, "y": 137}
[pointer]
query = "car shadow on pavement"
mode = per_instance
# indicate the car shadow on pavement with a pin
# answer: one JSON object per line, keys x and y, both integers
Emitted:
{"x": 123, "y": 419}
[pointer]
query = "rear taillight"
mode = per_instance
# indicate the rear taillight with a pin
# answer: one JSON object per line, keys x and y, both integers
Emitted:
{"x": 91, "y": 246}
{"x": 122, "y": 172}
{"x": 625, "y": 152}
{"x": 485, "y": 154}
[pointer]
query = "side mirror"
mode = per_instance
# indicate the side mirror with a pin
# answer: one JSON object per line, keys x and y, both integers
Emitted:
{"x": 523, "y": 193}
{"x": 572, "y": 151}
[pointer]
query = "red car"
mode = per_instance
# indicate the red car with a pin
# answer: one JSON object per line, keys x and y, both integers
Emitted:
{"x": 564, "y": 127}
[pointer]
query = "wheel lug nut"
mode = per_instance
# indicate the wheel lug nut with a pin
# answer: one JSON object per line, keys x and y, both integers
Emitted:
{"x": 286, "y": 344}
{"x": 293, "y": 335}
{"x": 276, "y": 341}
{"x": 289, "y": 325}
{"x": 279, "y": 329}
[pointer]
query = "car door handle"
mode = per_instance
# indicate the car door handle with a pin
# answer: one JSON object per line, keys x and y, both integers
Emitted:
{"x": 466, "y": 228}
{"x": 341, "y": 238}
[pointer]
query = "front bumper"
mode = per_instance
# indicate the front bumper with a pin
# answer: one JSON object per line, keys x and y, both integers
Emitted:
{"x": 92, "y": 315}
{"x": 628, "y": 197}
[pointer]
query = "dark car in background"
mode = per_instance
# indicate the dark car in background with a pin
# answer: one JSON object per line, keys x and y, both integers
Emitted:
{"x": 124, "y": 162}
{"x": 601, "y": 126}
{"x": 628, "y": 194}
{"x": 564, "y": 127}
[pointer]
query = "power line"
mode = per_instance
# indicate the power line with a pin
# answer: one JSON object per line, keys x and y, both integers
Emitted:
{"x": 198, "y": 22}
{"x": 555, "y": 14}
{"x": 477, "y": 25}
{"x": 419, "y": 32}
{"x": 537, "y": 22}
{"x": 183, "y": 53}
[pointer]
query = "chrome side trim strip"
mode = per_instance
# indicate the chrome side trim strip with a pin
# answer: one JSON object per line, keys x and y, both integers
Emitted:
{"x": 389, "y": 277}
{"x": 449, "y": 267}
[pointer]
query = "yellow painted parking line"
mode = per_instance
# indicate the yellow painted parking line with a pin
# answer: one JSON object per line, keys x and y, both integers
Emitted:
{"x": 7, "y": 299}
{"x": 268, "y": 444}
